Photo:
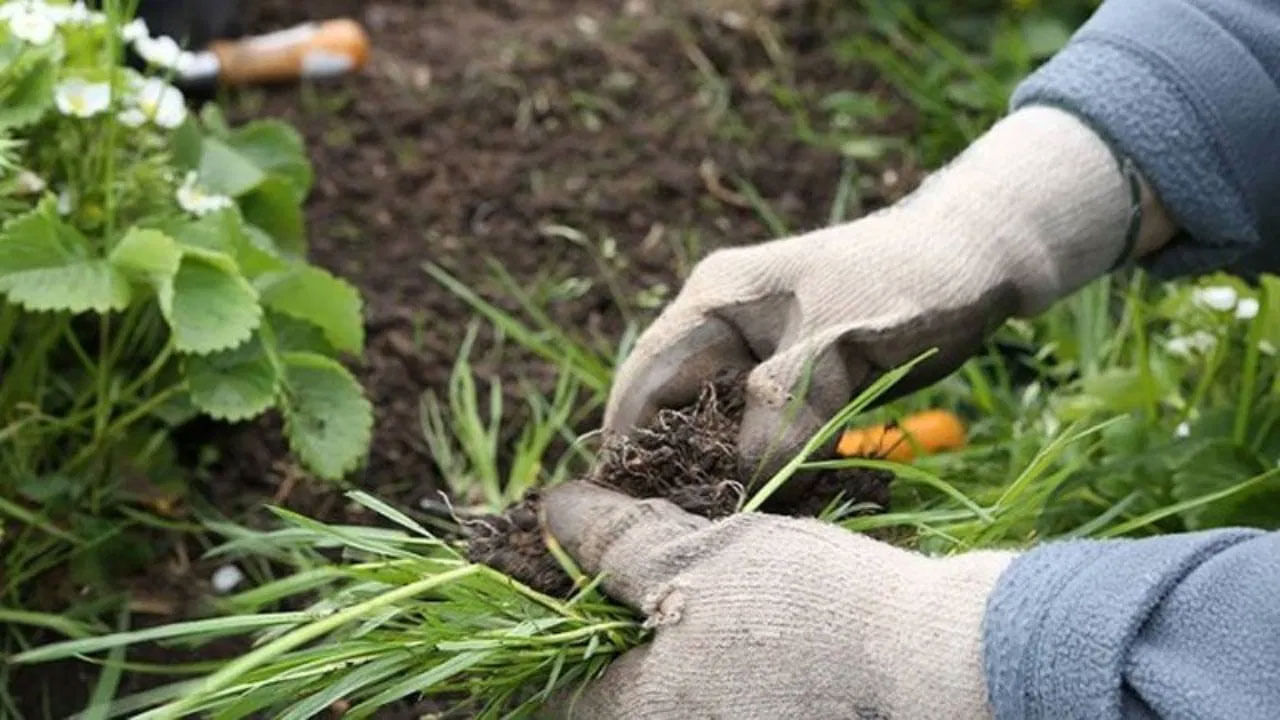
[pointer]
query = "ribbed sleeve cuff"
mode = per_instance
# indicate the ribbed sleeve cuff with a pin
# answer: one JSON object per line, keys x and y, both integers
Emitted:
{"x": 1061, "y": 620}
{"x": 1167, "y": 86}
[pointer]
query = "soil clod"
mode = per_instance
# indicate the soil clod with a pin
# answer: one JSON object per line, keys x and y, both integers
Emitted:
{"x": 688, "y": 456}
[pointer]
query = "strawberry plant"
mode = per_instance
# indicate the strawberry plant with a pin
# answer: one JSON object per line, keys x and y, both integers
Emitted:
{"x": 152, "y": 270}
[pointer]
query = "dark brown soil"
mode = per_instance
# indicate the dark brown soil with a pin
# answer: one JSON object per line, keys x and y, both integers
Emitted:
{"x": 688, "y": 456}
{"x": 481, "y": 123}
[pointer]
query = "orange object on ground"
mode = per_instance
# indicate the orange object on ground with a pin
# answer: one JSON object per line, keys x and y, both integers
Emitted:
{"x": 931, "y": 431}
{"x": 311, "y": 50}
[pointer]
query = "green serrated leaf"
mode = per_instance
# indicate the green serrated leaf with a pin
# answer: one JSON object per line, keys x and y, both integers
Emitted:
{"x": 235, "y": 384}
{"x": 47, "y": 265}
{"x": 273, "y": 207}
{"x": 30, "y": 96}
{"x": 224, "y": 170}
{"x": 186, "y": 143}
{"x": 277, "y": 149}
{"x": 292, "y": 335}
{"x": 219, "y": 231}
{"x": 312, "y": 294}
{"x": 209, "y": 305}
{"x": 259, "y": 255}
{"x": 147, "y": 256}
{"x": 328, "y": 420}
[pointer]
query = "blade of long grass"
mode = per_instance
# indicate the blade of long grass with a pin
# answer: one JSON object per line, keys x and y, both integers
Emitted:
{"x": 389, "y": 512}
{"x": 557, "y": 348}
{"x": 194, "y": 629}
{"x": 284, "y": 587}
{"x": 908, "y": 473}
{"x": 1180, "y": 507}
{"x": 1046, "y": 457}
{"x": 766, "y": 213}
{"x": 1111, "y": 513}
{"x": 66, "y": 626}
{"x": 350, "y": 684}
{"x": 104, "y": 690}
{"x": 830, "y": 428}
{"x": 433, "y": 676}
{"x": 144, "y": 699}
{"x": 26, "y": 517}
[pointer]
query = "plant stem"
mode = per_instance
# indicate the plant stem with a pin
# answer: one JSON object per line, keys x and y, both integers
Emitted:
{"x": 152, "y": 370}
{"x": 103, "y": 378}
{"x": 123, "y": 422}
{"x": 1249, "y": 375}
{"x": 1142, "y": 356}
{"x": 1206, "y": 380}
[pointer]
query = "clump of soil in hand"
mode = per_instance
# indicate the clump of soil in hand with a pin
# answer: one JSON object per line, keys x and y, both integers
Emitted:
{"x": 688, "y": 456}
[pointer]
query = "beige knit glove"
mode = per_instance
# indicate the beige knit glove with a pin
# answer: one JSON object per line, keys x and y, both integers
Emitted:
{"x": 759, "y": 616}
{"x": 1030, "y": 212}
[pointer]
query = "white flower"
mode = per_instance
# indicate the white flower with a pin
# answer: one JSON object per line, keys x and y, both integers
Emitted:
{"x": 135, "y": 30}
{"x": 1266, "y": 347}
{"x": 66, "y": 201}
{"x": 190, "y": 63}
{"x": 1185, "y": 346}
{"x": 131, "y": 117}
{"x": 78, "y": 14}
{"x": 159, "y": 102}
{"x": 82, "y": 99}
{"x": 162, "y": 51}
{"x": 29, "y": 183}
{"x": 196, "y": 200}
{"x": 1183, "y": 430}
{"x": 1247, "y": 309}
{"x": 1217, "y": 297}
{"x": 226, "y": 578}
{"x": 29, "y": 24}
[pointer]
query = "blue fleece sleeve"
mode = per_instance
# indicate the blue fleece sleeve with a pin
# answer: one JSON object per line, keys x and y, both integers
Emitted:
{"x": 1190, "y": 91}
{"x": 1181, "y": 626}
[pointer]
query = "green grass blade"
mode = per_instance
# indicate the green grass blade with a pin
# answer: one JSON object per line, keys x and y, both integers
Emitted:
{"x": 829, "y": 430}
{"x": 194, "y": 629}
{"x": 1177, "y": 508}
{"x": 66, "y": 626}
{"x": 109, "y": 679}
{"x": 348, "y": 686}
{"x": 908, "y": 473}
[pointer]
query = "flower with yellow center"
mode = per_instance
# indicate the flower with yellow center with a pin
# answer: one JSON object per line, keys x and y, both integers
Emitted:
{"x": 159, "y": 102}
{"x": 78, "y": 98}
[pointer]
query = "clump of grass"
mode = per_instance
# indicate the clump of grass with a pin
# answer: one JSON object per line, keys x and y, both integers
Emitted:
{"x": 402, "y": 614}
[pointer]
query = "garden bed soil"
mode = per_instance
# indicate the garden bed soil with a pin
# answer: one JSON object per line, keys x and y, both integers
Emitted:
{"x": 481, "y": 123}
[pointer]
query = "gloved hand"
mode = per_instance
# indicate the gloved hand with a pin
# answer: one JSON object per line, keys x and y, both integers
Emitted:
{"x": 759, "y": 616}
{"x": 1030, "y": 212}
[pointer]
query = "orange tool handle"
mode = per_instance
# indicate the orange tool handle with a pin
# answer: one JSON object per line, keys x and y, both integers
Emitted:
{"x": 310, "y": 50}
{"x": 929, "y": 431}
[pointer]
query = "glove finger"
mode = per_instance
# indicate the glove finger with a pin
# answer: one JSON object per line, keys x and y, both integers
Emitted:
{"x": 612, "y": 696}
{"x": 611, "y": 533}
{"x": 669, "y": 364}
{"x": 789, "y": 397}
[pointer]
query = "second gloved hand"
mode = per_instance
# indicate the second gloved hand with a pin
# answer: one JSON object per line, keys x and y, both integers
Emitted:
{"x": 759, "y": 616}
{"x": 1030, "y": 212}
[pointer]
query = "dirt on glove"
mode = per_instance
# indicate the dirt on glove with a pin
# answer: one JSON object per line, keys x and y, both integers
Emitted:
{"x": 688, "y": 456}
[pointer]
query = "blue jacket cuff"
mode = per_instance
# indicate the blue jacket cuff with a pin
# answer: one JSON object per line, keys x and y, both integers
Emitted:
{"x": 1060, "y": 623}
